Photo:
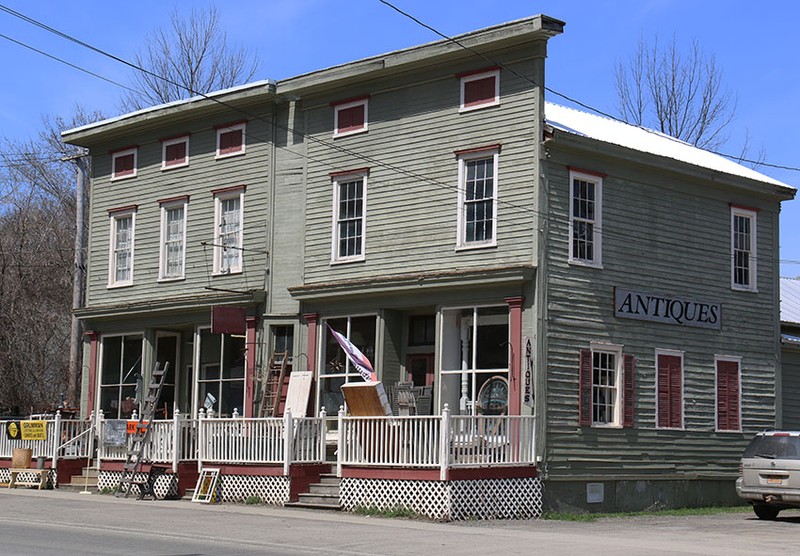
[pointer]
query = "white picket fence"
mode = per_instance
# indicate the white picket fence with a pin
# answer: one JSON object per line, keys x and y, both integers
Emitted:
{"x": 418, "y": 442}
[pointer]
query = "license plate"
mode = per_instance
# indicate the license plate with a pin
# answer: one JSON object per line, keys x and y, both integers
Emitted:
{"x": 774, "y": 481}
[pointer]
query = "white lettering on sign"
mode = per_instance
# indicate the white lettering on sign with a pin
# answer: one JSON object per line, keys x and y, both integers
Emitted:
{"x": 666, "y": 309}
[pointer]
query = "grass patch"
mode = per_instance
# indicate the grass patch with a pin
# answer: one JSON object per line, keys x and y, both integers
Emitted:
{"x": 252, "y": 500}
{"x": 107, "y": 490}
{"x": 678, "y": 512}
{"x": 397, "y": 511}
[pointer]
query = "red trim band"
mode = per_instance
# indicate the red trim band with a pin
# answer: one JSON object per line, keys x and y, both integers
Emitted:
{"x": 119, "y": 150}
{"x": 744, "y": 207}
{"x": 477, "y": 72}
{"x": 230, "y": 189}
{"x": 184, "y": 198}
{"x": 584, "y": 171}
{"x": 126, "y": 208}
{"x": 354, "y": 172}
{"x": 354, "y": 99}
{"x": 174, "y": 137}
{"x": 495, "y": 147}
{"x": 230, "y": 124}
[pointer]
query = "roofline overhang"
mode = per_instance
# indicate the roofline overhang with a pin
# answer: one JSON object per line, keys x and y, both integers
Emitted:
{"x": 410, "y": 284}
{"x": 521, "y": 31}
{"x": 96, "y": 131}
{"x": 567, "y": 139}
{"x": 183, "y": 305}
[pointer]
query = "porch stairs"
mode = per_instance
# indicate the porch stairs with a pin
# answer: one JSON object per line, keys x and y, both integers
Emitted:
{"x": 133, "y": 459}
{"x": 323, "y": 495}
{"x": 87, "y": 480}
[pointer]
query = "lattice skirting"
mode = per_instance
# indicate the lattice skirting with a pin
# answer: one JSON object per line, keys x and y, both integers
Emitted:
{"x": 5, "y": 476}
{"x": 516, "y": 498}
{"x": 166, "y": 486}
{"x": 270, "y": 490}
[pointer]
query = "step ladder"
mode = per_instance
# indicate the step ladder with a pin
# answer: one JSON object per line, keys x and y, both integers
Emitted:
{"x": 138, "y": 440}
{"x": 272, "y": 384}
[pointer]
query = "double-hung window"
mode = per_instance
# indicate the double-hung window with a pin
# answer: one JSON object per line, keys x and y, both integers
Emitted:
{"x": 121, "y": 248}
{"x": 729, "y": 393}
{"x": 123, "y": 163}
{"x": 350, "y": 117}
{"x": 743, "y": 249}
{"x": 349, "y": 215}
{"x": 606, "y": 382}
{"x": 480, "y": 89}
{"x": 174, "y": 152}
{"x": 477, "y": 197}
{"x": 669, "y": 383}
{"x": 585, "y": 218}
{"x": 230, "y": 139}
{"x": 228, "y": 226}
{"x": 173, "y": 238}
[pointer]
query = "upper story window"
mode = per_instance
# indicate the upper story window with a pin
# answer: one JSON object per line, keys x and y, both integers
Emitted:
{"x": 175, "y": 152}
{"x": 173, "y": 238}
{"x": 120, "y": 260}
{"x": 669, "y": 384}
{"x": 349, "y": 215}
{"x": 743, "y": 249}
{"x": 480, "y": 89}
{"x": 585, "y": 218}
{"x": 230, "y": 139}
{"x": 123, "y": 163}
{"x": 229, "y": 232}
{"x": 477, "y": 197}
{"x": 350, "y": 117}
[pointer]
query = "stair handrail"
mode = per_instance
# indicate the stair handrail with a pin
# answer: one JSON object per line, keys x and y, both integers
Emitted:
{"x": 75, "y": 438}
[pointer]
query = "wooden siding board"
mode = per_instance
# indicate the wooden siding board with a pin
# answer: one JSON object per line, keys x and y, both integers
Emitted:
{"x": 671, "y": 238}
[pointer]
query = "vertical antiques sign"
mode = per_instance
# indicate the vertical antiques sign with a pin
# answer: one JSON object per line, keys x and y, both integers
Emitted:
{"x": 527, "y": 373}
{"x": 666, "y": 309}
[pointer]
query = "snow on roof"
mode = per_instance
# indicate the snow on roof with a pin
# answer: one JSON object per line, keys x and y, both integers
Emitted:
{"x": 632, "y": 137}
{"x": 790, "y": 300}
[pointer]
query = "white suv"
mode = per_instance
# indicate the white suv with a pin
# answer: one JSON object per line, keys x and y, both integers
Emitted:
{"x": 769, "y": 475}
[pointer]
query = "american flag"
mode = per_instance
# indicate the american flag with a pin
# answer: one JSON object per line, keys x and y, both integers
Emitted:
{"x": 358, "y": 359}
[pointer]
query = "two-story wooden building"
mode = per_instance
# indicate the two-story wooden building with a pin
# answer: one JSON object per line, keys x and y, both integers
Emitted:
{"x": 499, "y": 253}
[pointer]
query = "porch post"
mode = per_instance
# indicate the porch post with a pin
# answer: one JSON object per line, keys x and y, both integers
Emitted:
{"x": 176, "y": 439}
{"x": 288, "y": 436}
{"x": 340, "y": 442}
{"x": 100, "y": 418}
{"x": 56, "y": 440}
{"x": 444, "y": 443}
{"x": 515, "y": 341}
{"x": 250, "y": 365}
{"x": 323, "y": 429}
{"x": 311, "y": 350}
{"x": 200, "y": 439}
{"x": 93, "y": 339}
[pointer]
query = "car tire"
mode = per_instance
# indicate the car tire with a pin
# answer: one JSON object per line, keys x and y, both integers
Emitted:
{"x": 765, "y": 512}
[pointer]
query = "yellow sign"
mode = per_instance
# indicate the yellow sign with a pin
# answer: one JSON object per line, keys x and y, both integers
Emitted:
{"x": 33, "y": 430}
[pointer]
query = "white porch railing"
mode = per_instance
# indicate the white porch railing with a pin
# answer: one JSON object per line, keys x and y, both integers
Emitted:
{"x": 436, "y": 442}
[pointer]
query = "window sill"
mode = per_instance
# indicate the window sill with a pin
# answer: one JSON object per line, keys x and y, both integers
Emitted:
{"x": 474, "y": 246}
{"x": 171, "y": 279}
{"x": 737, "y": 431}
{"x": 218, "y": 273}
{"x": 744, "y": 289}
{"x": 120, "y": 285}
{"x": 348, "y": 261}
{"x": 463, "y": 109}
{"x": 174, "y": 166}
{"x": 350, "y": 132}
{"x": 126, "y": 177}
{"x": 605, "y": 426}
{"x": 585, "y": 264}
{"x": 229, "y": 155}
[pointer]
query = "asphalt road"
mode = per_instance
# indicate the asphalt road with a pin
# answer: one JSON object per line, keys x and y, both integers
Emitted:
{"x": 62, "y": 523}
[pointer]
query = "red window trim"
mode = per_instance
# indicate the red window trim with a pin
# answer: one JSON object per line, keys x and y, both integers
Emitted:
{"x": 230, "y": 124}
{"x": 477, "y": 72}
{"x": 355, "y": 172}
{"x": 231, "y": 189}
{"x": 589, "y": 172}
{"x": 184, "y": 198}
{"x": 487, "y": 148}
{"x": 744, "y": 207}
{"x": 126, "y": 208}
{"x": 346, "y": 101}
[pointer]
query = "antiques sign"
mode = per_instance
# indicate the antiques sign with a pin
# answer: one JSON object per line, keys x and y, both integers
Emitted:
{"x": 666, "y": 309}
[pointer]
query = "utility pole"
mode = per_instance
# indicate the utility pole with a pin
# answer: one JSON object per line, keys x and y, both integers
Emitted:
{"x": 78, "y": 280}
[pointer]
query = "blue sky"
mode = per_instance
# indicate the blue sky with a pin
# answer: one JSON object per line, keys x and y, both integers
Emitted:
{"x": 756, "y": 49}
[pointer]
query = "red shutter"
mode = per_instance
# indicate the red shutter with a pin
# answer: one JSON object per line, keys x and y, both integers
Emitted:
{"x": 629, "y": 370}
{"x": 670, "y": 391}
{"x": 728, "y": 396}
{"x": 123, "y": 165}
{"x": 350, "y": 119}
{"x": 230, "y": 141}
{"x": 585, "y": 387}
{"x": 479, "y": 91}
{"x": 175, "y": 154}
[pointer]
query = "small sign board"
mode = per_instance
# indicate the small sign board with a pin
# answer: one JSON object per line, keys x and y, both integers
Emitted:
{"x": 298, "y": 392}
{"x": 115, "y": 432}
{"x": 131, "y": 427}
{"x": 26, "y": 430}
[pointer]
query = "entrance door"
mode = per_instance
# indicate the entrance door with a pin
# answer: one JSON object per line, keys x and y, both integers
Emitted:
{"x": 420, "y": 369}
{"x": 167, "y": 344}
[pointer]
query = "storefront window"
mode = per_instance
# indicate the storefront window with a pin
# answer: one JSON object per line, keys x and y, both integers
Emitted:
{"x": 336, "y": 369}
{"x": 475, "y": 350}
{"x": 222, "y": 372}
{"x": 121, "y": 371}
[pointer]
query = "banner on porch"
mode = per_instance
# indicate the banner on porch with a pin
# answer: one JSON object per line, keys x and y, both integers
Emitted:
{"x": 358, "y": 359}
{"x": 26, "y": 430}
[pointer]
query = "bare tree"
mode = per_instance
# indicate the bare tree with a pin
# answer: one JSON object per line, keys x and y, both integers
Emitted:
{"x": 191, "y": 56}
{"x": 680, "y": 94}
{"x": 37, "y": 230}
